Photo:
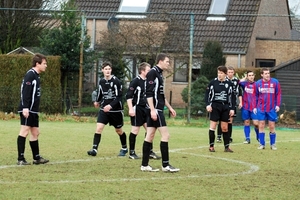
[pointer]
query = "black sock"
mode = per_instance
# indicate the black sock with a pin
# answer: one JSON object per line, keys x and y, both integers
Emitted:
{"x": 230, "y": 130}
{"x": 132, "y": 139}
{"x": 219, "y": 131}
{"x": 35, "y": 149}
{"x": 96, "y": 142}
{"x": 226, "y": 139}
{"x": 123, "y": 140}
{"x": 151, "y": 147}
{"x": 146, "y": 152}
{"x": 164, "y": 149}
{"x": 21, "y": 147}
{"x": 212, "y": 137}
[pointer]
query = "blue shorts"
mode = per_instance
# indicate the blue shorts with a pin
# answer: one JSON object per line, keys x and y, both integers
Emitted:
{"x": 248, "y": 115}
{"x": 270, "y": 116}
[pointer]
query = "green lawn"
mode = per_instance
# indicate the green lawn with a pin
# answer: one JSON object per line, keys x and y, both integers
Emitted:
{"x": 247, "y": 173}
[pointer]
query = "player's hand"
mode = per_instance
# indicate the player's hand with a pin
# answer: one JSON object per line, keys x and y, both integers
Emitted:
{"x": 96, "y": 104}
{"x": 173, "y": 112}
{"x": 131, "y": 112}
{"x": 153, "y": 115}
{"x": 240, "y": 105}
{"x": 231, "y": 113}
{"x": 107, "y": 108}
{"x": 208, "y": 108}
{"x": 277, "y": 108}
{"x": 25, "y": 112}
{"x": 255, "y": 111}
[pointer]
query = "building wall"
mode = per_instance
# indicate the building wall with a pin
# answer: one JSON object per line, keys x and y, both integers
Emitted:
{"x": 272, "y": 23}
{"x": 280, "y": 50}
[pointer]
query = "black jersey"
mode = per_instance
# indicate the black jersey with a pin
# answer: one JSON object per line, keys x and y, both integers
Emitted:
{"x": 136, "y": 91}
{"x": 110, "y": 92}
{"x": 220, "y": 92}
{"x": 30, "y": 92}
{"x": 155, "y": 87}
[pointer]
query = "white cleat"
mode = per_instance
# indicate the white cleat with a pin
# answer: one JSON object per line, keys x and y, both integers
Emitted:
{"x": 148, "y": 169}
{"x": 273, "y": 147}
{"x": 170, "y": 168}
{"x": 261, "y": 147}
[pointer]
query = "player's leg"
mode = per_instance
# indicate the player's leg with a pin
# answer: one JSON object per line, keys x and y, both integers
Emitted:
{"x": 246, "y": 119}
{"x": 261, "y": 117}
{"x": 272, "y": 118}
{"x": 21, "y": 141}
{"x": 219, "y": 133}
{"x": 132, "y": 141}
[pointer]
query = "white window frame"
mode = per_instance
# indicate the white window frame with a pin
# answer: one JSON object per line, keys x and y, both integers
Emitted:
{"x": 140, "y": 6}
{"x": 183, "y": 64}
{"x": 218, "y": 8}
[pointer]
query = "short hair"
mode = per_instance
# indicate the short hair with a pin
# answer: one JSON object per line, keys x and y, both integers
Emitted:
{"x": 161, "y": 57}
{"x": 222, "y": 68}
{"x": 230, "y": 68}
{"x": 38, "y": 58}
{"x": 106, "y": 63}
{"x": 142, "y": 67}
{"x": 249, "y": 71}
{"x": 262, "y": 70}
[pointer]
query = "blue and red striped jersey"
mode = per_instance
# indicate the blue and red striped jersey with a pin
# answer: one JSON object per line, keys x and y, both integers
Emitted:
{"x": 268, "y": 94}
{"x": 249, "y": 95}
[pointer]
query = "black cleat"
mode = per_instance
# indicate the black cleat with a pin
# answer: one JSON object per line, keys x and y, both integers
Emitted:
{"x": 92, "y": 152}
{"x": 153, "y": 155}
{"x": 40, "y": 161}
{"x": 23, "y": 162}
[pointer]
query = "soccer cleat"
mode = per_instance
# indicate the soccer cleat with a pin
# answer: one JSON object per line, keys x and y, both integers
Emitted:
{"x": 273, "y": 147}
{"x": 153, "y": 155}
{"x": 133, "y": 156}
{"x": 40, "y": 161}
{"x": 92, "y": 152}
{"x": 247, "y": 142}
{"x": 219, "y": 140}
{"x": 23, "y": 162}
{"x": 228, "y": 150}
{"x": 170, "y": 168}
{"x": 148, "y": 169}
{"x": 211, "y": 149}
{"x": 261, "y": 147}
{"x": 123, "y": 152}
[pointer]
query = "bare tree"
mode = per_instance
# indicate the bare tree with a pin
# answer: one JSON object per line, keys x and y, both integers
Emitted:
{"x": 21, "y": 22}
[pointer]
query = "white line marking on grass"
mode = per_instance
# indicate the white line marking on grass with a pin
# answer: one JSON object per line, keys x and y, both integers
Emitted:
{"x": 252, "y": 168}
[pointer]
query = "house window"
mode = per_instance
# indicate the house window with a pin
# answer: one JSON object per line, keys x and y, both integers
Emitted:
{"x": 217, "y": 8}
{"x": 181, "y": 70}
{"x": 140, "y": 6}
{"x": 265, "y": 62}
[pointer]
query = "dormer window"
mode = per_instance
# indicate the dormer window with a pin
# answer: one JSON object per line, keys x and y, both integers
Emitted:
{"x": 217, "y": 9}
{"x": 140, "y": 6}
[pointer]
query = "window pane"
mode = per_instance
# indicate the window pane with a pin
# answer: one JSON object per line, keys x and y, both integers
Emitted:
{"x": 218, "y": 6}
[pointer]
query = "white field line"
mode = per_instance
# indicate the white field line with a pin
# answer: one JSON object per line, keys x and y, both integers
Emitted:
{"x": 251, "y": 168}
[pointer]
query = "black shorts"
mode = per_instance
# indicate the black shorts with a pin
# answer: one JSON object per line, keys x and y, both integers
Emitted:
{"x": 140, "y": 118}
{"x": 113, "y": 118}
{"x": 160, "y": 122}
{"x": 32, "y": 120}
{"x": 220, "y": 112}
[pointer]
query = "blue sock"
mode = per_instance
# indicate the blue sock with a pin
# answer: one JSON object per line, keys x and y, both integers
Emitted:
{"x": 262, "y": 139}
{"x": 256, "y": 131}
{"x": 272, "y": 138}
{"x": 247, "y": 132}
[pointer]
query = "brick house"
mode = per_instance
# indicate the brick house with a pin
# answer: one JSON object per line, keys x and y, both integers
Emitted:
{"x": 254, "y": 33}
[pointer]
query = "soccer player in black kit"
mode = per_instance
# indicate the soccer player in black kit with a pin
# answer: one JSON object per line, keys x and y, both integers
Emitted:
{"x": 156, "y": 120}
{"x": 220, "y": 103}
{"x": 28, "y": 109}
{"x": 137, "y": 111}
{"x": 111, "y": 109}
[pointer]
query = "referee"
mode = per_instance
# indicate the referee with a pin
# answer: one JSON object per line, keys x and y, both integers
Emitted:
{"x": 220, "y": 103}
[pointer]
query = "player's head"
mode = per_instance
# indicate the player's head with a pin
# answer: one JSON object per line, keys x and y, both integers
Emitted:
{"x": 39, "y": 62}
{"x": 230, "y": 72}
{"x": 163, "y": 61}
{"x": 265, "y": 74}
{"x": 250, "y": 75}
{"x": 143, "y": 69}
{"x": 222, "y": 72}
{"x": 106, "y": 69}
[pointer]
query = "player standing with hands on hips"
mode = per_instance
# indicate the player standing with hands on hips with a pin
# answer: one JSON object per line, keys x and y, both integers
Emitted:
{"x": 28, "y": 109}
{"x": 220, "y": 103}
{"x": 268, "y": 93}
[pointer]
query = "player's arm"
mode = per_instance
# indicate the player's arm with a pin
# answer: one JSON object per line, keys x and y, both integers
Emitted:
{"x": 208, "y": 97}
{"x": 118, "y": 91}
{"x": 149, "y": 91}
{"x": 129, "y": 97}
{"x": 172, "y": 111}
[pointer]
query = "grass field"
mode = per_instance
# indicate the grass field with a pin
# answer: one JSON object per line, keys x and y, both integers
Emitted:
{"x": 247, "y": 173}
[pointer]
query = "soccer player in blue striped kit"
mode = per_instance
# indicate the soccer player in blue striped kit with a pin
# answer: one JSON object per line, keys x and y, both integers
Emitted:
{"x": 268, "y": 93}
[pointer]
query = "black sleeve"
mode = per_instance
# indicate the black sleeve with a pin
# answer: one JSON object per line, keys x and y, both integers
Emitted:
{"x": 118, "y": 91}
{"x": 150, "y": 83}
{"x": 27, "y": 90}
{"x": 131, "y": 89}
{"x": 208, "y": 93}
